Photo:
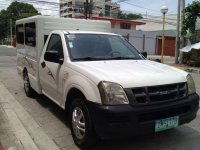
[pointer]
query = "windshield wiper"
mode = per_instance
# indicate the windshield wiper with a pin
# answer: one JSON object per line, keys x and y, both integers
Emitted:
{"x": 122, "y": 58}
{"x": 88, "y": 58}
{"x": 105, "y": 58}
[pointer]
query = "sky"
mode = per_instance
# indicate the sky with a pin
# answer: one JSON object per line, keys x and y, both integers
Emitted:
{"x": 150, "y": 7}
{"x": 46, "y": 7}
{"x": 144, "y": 7}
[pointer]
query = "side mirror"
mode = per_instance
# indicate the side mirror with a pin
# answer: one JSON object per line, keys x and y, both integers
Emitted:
{"x": 53, "y": 56}
{"x": 144, "y": 54}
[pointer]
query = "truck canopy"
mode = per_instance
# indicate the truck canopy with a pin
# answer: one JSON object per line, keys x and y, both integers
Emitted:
{"x": 32, "y": 32}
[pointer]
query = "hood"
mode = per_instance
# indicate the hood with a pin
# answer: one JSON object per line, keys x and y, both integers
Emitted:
{"x": 130, "y": 73}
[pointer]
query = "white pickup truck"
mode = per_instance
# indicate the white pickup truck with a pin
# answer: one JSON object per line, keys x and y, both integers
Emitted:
{"x": 106, "y": 86}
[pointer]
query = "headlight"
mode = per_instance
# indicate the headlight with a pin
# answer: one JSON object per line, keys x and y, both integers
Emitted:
{"x": 191, "y": 85}
{"x": 112, "y": 93}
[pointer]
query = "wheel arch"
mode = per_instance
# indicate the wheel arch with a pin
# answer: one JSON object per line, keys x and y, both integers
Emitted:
{"x": 73, "y": 93}
{"x": 24, "y": 72}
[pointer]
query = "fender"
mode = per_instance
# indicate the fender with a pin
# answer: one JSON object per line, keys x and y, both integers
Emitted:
{"x": 86, "y": 86}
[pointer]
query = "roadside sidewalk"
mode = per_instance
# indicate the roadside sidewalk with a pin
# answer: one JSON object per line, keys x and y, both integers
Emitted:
{"x": 18, "y": 130}
{"x": 170, "y": 61}
{"x": 187, "y": 68}
{"x": 6, "y": 46}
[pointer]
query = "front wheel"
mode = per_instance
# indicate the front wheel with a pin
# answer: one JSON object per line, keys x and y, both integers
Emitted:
{"x": 81, "y": 124}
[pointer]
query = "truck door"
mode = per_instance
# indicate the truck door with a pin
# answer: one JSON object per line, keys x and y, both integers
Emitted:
{"x": 50, "y": 71}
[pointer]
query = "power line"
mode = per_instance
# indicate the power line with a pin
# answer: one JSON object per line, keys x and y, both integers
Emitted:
{"x": 140, "y": 6}
{"x": 39, "y": 3}
{"x": 159, "y": 22}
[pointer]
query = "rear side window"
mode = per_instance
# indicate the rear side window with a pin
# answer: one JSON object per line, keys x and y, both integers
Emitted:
{"x": 30, "y": 34}
{"x": 20, "y": 33}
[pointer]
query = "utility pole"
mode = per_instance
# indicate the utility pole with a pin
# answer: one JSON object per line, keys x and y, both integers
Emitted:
{"x": 146, "y": 15}
{"x": 11, "y": 31}
{"x": 90, "y": 8}
{"x": 182, "y": 19}
{"x": 86, "y": 9}
{"x": 178, "y": 33}
{"x": 182, "y": 40}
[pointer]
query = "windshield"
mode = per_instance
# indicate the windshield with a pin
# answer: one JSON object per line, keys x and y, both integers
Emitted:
{"x": 87, "y": 47}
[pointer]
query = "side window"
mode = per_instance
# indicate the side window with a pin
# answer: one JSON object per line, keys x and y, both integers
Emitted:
{"x": 20, "y": 33}
{"x": 55, "y": 43}
{"x": 30, "y": 34}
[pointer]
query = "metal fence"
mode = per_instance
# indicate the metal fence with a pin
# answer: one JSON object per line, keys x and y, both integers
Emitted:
{"x": 142, "y": 40}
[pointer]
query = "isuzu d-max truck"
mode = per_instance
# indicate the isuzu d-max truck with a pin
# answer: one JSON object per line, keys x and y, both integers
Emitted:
{"x": 103, "y": 82}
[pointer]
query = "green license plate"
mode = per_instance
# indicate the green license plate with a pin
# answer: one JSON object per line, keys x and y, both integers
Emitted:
{"x": 168, "y": 123}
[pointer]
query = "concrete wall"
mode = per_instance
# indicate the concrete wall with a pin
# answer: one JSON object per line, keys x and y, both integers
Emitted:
{"x": 133, "y": 27}
{"x": 116, "y": 25}
{"x": 142, "y": 40}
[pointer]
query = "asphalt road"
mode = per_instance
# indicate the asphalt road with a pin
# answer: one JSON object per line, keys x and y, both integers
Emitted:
{"x": 53, "y": 120}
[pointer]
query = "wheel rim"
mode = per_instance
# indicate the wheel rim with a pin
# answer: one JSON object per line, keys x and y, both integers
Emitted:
{"x": 78, "y": 123}
{"x": 26, "y": 84}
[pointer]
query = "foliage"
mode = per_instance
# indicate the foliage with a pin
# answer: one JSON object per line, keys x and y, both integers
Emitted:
{"x": 15, "y": 11}
{"x": 192, "y": 13}
{"x": 129, "y": 16}
{"x": 101, "y": 14}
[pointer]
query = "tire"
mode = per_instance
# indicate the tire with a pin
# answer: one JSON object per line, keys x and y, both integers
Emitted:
{"x": 27, "y": 86}
{"x": 83, "y": 135}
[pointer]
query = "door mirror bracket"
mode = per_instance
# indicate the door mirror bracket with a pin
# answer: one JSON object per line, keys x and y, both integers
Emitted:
{"x": 144, "y": 54}
{"x": 60, "y": 61}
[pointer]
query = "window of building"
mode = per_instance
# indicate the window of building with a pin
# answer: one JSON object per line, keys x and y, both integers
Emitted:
{"x": 30, "y": 34}
{"x": 20, "y": 33}
{"x": 70, "y": 4}
{"x": 125, "y": 26}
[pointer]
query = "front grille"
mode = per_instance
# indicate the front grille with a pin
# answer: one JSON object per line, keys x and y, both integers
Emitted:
{"x": 160, "y": 93}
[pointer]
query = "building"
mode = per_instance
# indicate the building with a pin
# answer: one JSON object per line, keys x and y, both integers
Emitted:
{"x": 155, "y": 23}
{"x": 76, "y": 8}
{"x": 71, "y": 8}
{"x": 119, "y": 23}
{"x": 111, "y": 9}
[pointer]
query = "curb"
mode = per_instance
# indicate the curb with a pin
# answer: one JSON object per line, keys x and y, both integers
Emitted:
{"x": 7, "y": 46}
{"x": 192, "y": 70}
{"x": 24, "y": 127}
{"x": 186, "y": 68}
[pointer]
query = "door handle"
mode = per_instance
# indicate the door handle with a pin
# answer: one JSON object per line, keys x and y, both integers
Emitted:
{"x": 43, "y": 64}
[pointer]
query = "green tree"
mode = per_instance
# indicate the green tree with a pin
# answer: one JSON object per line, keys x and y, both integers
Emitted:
{"x": 4, "y": 24}
{"x": 192, "y": 12}
{"x": 129, "y": 16}
{"x": 15, "y": 11}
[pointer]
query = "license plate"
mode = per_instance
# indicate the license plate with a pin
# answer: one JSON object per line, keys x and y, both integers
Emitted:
{"x": 168, "y": 123}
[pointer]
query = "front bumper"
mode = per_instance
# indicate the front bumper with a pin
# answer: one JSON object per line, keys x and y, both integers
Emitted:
{"x": 128, "y": 120}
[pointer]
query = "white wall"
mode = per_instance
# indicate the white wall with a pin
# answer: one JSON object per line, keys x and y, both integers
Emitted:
{"x": 142, "y": 40}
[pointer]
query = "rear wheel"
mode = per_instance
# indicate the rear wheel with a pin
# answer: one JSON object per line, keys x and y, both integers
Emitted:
{"x": 81, "y": 124}
{"x": 27, "y": 86}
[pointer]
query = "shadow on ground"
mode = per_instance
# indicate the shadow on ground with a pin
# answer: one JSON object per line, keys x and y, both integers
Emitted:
{"x": 182, "y": 138}
{"x": 53, "y": 108}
